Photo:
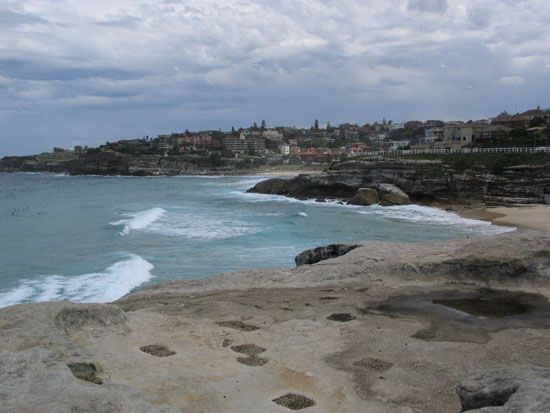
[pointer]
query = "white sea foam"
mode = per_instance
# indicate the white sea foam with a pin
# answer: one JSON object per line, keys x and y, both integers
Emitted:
{"x": 412, "y": 213}
{"x": 108, "y": 285}
{"x": 254, "y": 197}
{"x": 249, "y": 181}
{"x": 201, "y": 227}
{"x": 423, "y": 214}
{"x": 257, "y": 198}
{"x": 201, "y": 176}
{"x": 181, "y": 222}
{"x": 139, "y": 220}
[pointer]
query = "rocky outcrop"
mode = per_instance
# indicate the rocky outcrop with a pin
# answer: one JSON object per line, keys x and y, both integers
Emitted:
{"x": 392, "y": 195}
{"x": 323, "y": 253}
{"x": 514, "y": 389}
{"x": 420, "y": 180}
{"x": 365, "y": 197}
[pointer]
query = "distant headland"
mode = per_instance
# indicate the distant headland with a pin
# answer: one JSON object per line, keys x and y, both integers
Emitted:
{"x": 260, "y": 148}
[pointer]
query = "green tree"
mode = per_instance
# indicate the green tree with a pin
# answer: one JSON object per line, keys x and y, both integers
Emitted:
{"x": 538, "y": 121}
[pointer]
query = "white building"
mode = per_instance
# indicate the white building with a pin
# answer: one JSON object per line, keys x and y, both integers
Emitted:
{"x": 395, "y": 145}
{"x": 272, "y": 134}
{"x": 284, "y": 149}
{"x": 395, "y": 126}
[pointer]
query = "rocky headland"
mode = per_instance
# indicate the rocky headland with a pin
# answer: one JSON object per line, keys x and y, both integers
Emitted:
{"x": 400, "y": 181}
{"x": 112, "y": 163}
{"x": 96, "y": 162}
{"x": 449, "y": 326}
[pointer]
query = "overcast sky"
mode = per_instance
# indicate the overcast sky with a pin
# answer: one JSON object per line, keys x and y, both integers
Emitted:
{"x": 88, "y": 71}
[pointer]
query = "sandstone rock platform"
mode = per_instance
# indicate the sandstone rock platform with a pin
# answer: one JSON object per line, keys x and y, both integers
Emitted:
{"x": 387, "y": 327}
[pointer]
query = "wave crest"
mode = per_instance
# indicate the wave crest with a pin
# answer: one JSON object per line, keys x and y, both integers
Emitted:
{"x": 112, "y": 283}
{"x": 140, "y": 220}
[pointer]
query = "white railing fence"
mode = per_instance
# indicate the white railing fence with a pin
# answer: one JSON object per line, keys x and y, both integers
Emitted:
{"x": 539, "y": 149}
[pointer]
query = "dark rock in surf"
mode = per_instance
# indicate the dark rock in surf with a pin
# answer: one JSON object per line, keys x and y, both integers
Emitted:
{"x": 323, "y": 253}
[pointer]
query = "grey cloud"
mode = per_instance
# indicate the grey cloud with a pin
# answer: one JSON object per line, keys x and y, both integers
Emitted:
{"x": 19, "y": 68}
{"x": 120, "y": 21}
{"x": 10, "y": 18}
{"x": 388, "y": 81}
{"x": 430, "y": 6}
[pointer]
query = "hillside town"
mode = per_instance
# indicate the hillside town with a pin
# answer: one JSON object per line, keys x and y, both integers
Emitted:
{"x": 318, "y": 144}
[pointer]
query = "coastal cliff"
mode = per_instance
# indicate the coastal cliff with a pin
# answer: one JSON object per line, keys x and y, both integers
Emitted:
{"x": 421, "y": 180}
{"x": 104, "y": 163}
{"x": 388, "y": 327}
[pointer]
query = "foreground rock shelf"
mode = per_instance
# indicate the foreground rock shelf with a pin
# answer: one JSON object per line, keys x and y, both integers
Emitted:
{"x": 387, "y": 327}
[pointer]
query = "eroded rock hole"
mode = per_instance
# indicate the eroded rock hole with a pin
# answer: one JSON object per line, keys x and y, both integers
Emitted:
{"x": 252, "y": 361}
{"x": 373, "y": 364}
{"x": 294, "y": 401}
{"x": 157, "y": 350}
{"x": 341, "y": 317}
{"x": 85, "y": 371}
{"x": 248, "y": 349}
{"x": 237, "y": 325}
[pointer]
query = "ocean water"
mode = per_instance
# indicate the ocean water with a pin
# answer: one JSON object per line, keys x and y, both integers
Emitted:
{"x": 94, "y": 239}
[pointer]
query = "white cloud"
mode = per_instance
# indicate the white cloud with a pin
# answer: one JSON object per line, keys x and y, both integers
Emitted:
{"x": 511, "y": 80}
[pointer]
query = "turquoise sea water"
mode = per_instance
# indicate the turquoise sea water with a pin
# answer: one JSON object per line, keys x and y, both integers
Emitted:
{"x": 97, "y": 238}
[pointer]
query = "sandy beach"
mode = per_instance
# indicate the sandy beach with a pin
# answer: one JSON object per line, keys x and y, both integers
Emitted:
{"x": 536, "y": 217}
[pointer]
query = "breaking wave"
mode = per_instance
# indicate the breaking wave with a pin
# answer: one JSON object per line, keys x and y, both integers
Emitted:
{"x": 429, "y": 215}
{"x": 108, "y": 285}
{"x": 139, "y": 220}
{"x": 412, "y": 213}
{"x": 201, "y": 227}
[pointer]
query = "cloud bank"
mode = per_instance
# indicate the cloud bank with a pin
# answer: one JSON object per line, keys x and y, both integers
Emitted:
{"x": 81, "y": 72}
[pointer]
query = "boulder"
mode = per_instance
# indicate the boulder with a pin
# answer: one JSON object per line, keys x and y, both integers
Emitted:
{"x": 365, "y": 196}
{"x": 392, "y": 195}
{"x": 512, "y": 389}
{"x": 323, "y": 253}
